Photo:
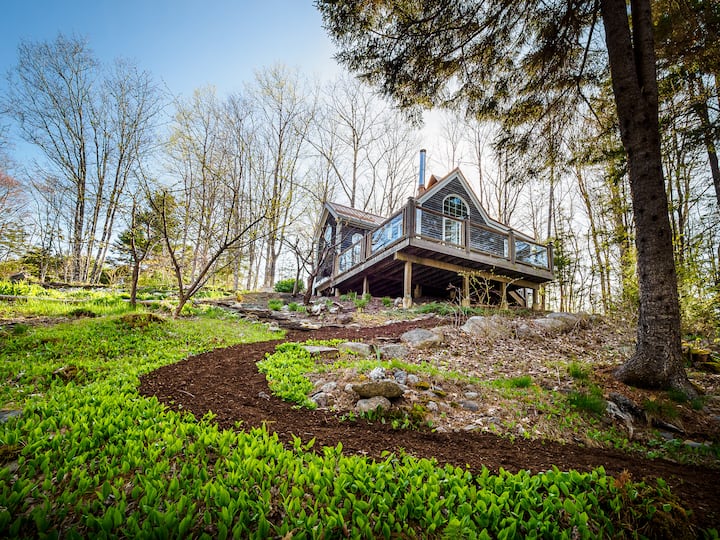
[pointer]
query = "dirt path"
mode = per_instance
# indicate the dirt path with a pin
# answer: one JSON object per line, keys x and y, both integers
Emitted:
{"x": 228, "y": 383}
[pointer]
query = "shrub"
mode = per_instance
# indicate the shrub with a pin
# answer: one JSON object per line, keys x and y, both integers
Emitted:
{"x": 287, "y": 285}
{"x": 275, "y": 304}
{"x": 578, "y": 371}
{"x": 361, "y": 303}
{"x": 294, "y": 306}
{"x": 387, "y": 301}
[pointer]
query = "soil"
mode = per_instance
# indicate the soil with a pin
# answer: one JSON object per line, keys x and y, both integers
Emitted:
{"x": 227, "y": 382}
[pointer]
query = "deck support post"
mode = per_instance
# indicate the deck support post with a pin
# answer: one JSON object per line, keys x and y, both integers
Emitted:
{"x": 366, "y": 286}
{"x": 503, "y": 296}
{"x": 465, "y": 300}
{"x": 407, "y": 286}
{"x": 536, "y": 299}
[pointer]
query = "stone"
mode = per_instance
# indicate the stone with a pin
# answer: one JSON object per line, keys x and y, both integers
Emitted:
{"x": 421, "y": 338}
{"x": 387, "y": 389}
{"x": 570, "y": 319}
{"x": 470, "y": 405}
{"x": 393, "y": 350}
{"x": 373, "y": 404}
{"x": 328, "y": 387}
{"x": 525, "y": 331}
{"x": 344, "y": 318}
{"x": 432, "y": 406}
{"x": 398, "y": 302}
{"x": 412, "y": 379}
{"x": 321, "y": 399}
{"x": 693, "y": 444}
{"x": 400, "y": 376}
{"x": 627, "y": 405}
{"x": 349, "y": 388}
{"x": 263, "y": 395}
{"x": 317, "y": 309}
{"x": 377, "y": 374}
{"x": 614, "y": 411}
{"x": 487, "y": 327}
{"x": 321, "y": 351}
{"x": 471, "y": 395}
{"x": 8, "y": 414}
{"x": 550, "y": 326}
{"x": 361, "y": 349}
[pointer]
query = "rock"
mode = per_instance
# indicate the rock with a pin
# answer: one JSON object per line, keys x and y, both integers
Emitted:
{"x": 344, "y": 318}
{"x": 20, "y": 276}
{"x": 550, "y": 326}
{"x": 387, "y": 389}
{"x": 372, "y": 404}
{"x": 321, "y": 351}
{"x": 393, "y": 350}
{"x": 398, "y": 302}
{"x": 400, "y": 376}
{"x": 263, "y": 395}
{"x": 349, "y": 388}
{"x": 377, "y": 374}
{"x": 328, "y": 387}
{"x": 470, "y": 405}
{"x": 525, "y": 331}
{"x": 487, "y": 327}
{"x": 317, "y": 309}
{"x": 421, "y": 338}
{"x": 569, "y": 319}
{"x": 412, "y": 379}
{"x": 432, "y": 406}
{"x": 627, "y": 405}
{"x": 321, "y": 399}
{"x": 693, "y": 444}
{"x": 614, "y": 411}
{"x": 471, "y": 395}
{"x": 8, "y": 414}
{"x": 361, "y": 349}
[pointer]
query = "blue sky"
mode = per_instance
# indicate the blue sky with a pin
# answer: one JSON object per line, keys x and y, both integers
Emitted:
{"x": 185, "y": 43}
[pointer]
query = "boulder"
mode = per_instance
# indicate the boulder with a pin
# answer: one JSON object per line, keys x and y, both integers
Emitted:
{"x": 469, "y": 405}
{"x": 393, "y": 350}
{"x": 400, "y": 376}
{"x": 550, "y": 326}
{"x": 487, "y": 327}
{"x": 387, "y": 389}
{"x": 321, "y": 351}
{"x": 372, "y": 404}
{"x": 421, "y": 338}
{"x": 7, "y": 414}
{"x": 361, "y": 349}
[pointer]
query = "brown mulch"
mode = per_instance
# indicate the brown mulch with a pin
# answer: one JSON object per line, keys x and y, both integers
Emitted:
{"x": 227, "y": 382}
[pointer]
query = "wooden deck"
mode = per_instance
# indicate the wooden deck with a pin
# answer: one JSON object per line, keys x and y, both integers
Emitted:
{"x": 417, "y": 252}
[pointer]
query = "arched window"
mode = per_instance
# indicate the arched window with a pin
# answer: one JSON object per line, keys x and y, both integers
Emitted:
{"x": 456, "y": 210}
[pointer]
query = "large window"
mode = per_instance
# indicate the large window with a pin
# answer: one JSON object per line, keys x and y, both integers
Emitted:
{"x": 456, "y": 210}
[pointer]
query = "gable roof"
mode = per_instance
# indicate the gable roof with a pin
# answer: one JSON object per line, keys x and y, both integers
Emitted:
{"x": 353, "y": 215}
{"x": 457, "y": 173}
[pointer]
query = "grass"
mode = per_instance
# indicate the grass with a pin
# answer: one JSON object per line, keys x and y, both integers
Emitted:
{"x": 523, "y": 381}
{"x": 94, "y": 458}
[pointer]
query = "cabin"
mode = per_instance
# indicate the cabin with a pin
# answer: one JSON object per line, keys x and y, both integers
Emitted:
{"x": 441, "y": 244}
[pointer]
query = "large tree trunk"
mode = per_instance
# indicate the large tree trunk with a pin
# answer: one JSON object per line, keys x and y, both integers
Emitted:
{"x": 657, "y": 362}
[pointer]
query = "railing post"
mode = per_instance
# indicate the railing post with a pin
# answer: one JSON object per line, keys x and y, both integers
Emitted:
{"x": 466, "y": 235}
{"x": 511, "y": 246}
{"x": 551, "y": 262}
{"x": 368, "y": 245}
{"x": 409, "y": 225}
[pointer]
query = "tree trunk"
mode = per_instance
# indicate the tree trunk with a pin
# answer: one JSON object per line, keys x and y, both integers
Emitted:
{"x": 657, "y": 361}
{"x": 134, "y": 282}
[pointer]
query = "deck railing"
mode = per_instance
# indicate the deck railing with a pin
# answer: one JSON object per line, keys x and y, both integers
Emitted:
{"x": 413, "y": 221}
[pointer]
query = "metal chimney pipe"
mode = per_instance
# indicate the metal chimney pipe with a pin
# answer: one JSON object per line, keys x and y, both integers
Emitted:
{"x": 421, "y": 179}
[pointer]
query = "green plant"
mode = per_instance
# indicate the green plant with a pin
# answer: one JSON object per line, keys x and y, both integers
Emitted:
{"x": 523, "y": 381}
{"x": 287, "y": 285}
{"x": 349, "y": 296}
{"x": 275, "y": 304}
{"x": 294, "y": 306}
{"x": 285, "y": 370}
{"x": 361, "y": 303}
{"x": 387, "y": 301}
{"x": 578, "y": 371}
{"x": 659, "y": 408}
{"x": 590, "y": 401}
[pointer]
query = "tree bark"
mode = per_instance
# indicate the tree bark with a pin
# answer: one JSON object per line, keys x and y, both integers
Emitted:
{"x": 657, "y": 361}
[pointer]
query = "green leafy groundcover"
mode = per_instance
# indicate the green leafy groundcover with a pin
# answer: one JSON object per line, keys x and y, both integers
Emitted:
{"x": 90, "y": 457}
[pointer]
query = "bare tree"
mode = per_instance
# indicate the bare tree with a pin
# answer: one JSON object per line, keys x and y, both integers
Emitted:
{"x": 91, "y": 130}
{"x": 284, "y": 110}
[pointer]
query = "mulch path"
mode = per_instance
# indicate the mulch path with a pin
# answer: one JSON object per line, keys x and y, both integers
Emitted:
{"x": 227, "y": 382}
